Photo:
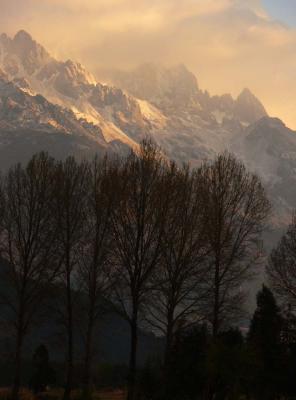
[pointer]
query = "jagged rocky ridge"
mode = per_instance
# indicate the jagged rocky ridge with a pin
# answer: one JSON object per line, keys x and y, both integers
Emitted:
{"x": 69, "y": 85}
{"x": 60, "y": 107}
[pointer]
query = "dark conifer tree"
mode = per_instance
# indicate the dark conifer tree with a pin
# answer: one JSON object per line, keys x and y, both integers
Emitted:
{"x": 264, "y": 339}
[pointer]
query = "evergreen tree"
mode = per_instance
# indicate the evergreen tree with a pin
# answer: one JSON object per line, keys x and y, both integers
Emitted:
{"x": 264, "y": 341}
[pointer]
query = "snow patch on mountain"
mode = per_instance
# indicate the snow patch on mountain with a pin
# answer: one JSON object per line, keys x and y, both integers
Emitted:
{"x": 69, "y": 85}
{"x": 152, "y": 114}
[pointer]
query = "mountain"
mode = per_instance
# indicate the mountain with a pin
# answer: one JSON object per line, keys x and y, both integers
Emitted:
{"x": 165, "y": 103}
{"x": 69, "y": 85}
{"x": 197, "y": 125}
{"x": 176, "y": 89}
{"x": 61, "y": 107}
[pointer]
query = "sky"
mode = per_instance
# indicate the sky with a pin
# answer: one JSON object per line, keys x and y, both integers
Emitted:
{"x": 284, "y": 10}
{"x": 228, "y": 44}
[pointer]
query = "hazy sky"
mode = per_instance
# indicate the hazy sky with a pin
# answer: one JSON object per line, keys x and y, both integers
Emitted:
{"x": 284, "y": 10}
{"x": 228, "y": 44}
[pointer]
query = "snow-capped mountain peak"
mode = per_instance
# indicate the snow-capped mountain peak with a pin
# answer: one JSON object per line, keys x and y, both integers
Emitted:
{"x": 70, "y": 85}
{"x": 22, "y": 54}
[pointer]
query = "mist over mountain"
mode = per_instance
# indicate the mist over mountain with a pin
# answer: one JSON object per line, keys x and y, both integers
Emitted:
{"x": 61, "y": 107}
{"x": 176, "y": 88}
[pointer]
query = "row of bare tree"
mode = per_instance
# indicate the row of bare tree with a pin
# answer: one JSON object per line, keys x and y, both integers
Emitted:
{"x": 168, "y": 245}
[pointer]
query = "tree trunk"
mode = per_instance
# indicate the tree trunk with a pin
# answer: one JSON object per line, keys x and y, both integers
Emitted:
{"x": 168, "y": 344}
{"x": 216, "y": 302}
{"x": 69, "y": 376}
{"x": 88, "y": 356}
{"x": 216, "y": 315}
{"x": 131, "y": 389}
{"x": 18, "y": 360}
{"x": 168, "y": 358}
{"x": 19, "y": 346}
{"x": 211, "y": 384}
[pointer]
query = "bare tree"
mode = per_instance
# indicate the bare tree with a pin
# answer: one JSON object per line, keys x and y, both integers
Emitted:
{"x": 137, "y": 224}
{"x": 179, "y": 280}
{"x": 236, "y": 208}
{"x": 95, "y": 274}
{"x": 28, "y": 244}
{"x": 281, "y": 268}
{"x": 70, "y": 194}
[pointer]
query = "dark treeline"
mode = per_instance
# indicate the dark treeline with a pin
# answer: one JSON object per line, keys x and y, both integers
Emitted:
{"x": 170, "y": 247}
{"x": 260, "y": 365}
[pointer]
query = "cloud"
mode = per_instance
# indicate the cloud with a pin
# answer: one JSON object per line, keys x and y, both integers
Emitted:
{"x": 229, "y": 44}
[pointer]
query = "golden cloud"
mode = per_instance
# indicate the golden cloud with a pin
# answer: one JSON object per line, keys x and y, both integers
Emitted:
{"x": 229, "y": 44}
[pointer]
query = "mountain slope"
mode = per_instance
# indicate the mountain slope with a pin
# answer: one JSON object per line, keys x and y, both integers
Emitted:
{"x": 69, "y": 85}
{"x": 268, "y": 147}
{"x": 29, "y": 123}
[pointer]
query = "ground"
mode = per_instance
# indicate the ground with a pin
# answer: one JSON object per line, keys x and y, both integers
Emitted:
{"x": 56, "y": 394}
